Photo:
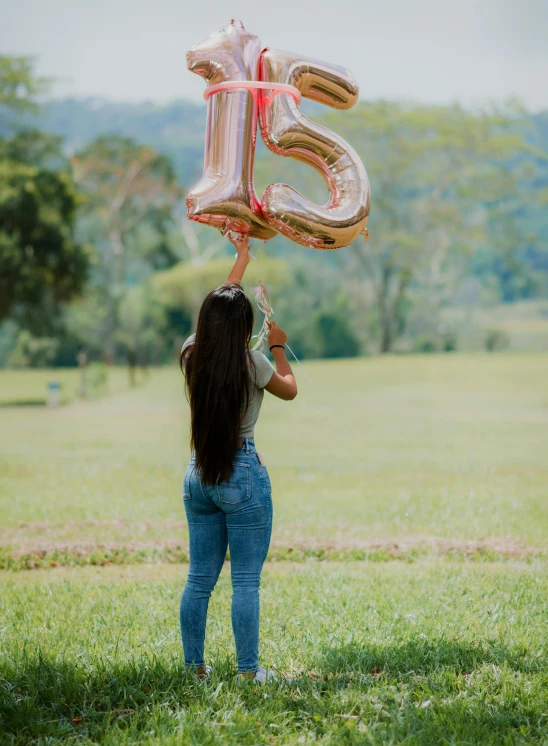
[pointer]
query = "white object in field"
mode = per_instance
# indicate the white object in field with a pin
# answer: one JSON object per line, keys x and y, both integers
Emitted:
{"x": 54, "y": 394}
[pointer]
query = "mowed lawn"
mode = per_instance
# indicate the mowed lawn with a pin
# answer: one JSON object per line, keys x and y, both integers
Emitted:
{"x": 372, "y": 451}
{"x": 436, "y": 465}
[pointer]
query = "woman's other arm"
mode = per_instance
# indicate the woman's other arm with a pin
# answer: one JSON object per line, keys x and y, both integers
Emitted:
{"x": 283, "y": 383}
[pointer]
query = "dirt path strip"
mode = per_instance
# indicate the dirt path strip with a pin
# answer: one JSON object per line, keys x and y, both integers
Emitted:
{"x": 298, "y": 550}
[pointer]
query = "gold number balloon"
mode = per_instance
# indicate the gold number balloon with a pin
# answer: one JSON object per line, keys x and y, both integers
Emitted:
{"x": 286, "y": 131}
{"x": 244, "y": 85}
{"x": 225, "y": 196}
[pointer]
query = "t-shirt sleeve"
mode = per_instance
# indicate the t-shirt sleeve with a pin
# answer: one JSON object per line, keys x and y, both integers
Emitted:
{"x": 188, "y": 342}
{"x": 263, "y": 368}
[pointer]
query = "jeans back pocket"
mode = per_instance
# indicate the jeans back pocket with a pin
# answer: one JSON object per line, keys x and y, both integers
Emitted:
{"x": 238, "y": 487}
{"x": 186, "y": 484}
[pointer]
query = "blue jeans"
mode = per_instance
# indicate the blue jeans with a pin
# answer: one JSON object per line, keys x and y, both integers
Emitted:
{"x": 237, "y": 514}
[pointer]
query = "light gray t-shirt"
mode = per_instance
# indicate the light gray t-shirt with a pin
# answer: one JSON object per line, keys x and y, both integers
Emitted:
{"x": 259, "y": 378}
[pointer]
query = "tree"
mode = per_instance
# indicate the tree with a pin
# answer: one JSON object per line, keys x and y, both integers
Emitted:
{"x": 41, "y": 265}
{"x": 131, "y": 192}
{"x": 436, "y": 173}
{"x": 31, "y": 352}
{"x": 141, "y": 320}
{"x": 334, "y": 329}
{"x": 19, "y": 87}
{"x": 184, "y": 286}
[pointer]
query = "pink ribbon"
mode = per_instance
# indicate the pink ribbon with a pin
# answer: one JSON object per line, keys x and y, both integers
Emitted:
{"x": 253, "y": 86}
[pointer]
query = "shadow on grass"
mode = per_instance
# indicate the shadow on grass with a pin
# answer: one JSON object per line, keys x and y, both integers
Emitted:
{"x": 384, "y": 688}
{"x": 423, "y": 657}
{"x": 441, "y": 691}
{"x": 46, "y": 697}
{"x": 23, "y": 403}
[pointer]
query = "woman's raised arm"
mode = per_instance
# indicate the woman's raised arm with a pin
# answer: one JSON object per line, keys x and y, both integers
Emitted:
{"x": 241, "y": 244}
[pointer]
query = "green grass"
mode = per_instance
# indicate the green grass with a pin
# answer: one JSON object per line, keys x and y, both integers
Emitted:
{"x": 389, "y": 653}
{"x": 437, "y": 461}
{"x": 525, "y": 324}
{"x": 27, "y": 388}
{"x": 372, "y": 451}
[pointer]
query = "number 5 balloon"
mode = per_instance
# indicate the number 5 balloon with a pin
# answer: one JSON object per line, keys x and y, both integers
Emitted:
{"x": 287, "y": 132}
{"x": 243, "y": 82}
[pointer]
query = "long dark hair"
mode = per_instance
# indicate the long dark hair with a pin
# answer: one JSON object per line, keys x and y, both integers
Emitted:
{"x": 217, "y": 374}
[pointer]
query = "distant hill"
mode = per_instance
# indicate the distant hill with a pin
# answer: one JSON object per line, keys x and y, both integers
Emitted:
{"x": 176, "y": 129}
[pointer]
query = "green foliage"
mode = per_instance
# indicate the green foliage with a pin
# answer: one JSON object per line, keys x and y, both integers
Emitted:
{"x": 451, "y": 190}
{"x": 327, "y": 331}
{"x": 457, "y": 194}
{"x": 9, "y": 332}
{"x": 83, "y": 325}
{"x": 40, "y": 262}
{"x": 425, "y": 343}
{"x": 141, "y": 321}
{"x": 496, "y": 339}
{"x": 319, "y": 317}
{"x": 34, "y": 148}
{"x": 131, "y": 193}
{"x": 449, "y": 341}
{"x": 438, "y": 174}
{"x": 127, "y": 185}
{"x": 32, "y": 352}
{"x": 337, "y": 339}
{"x": 441, "y": 341}
{"x": 177, "y": 129}
{"x": 96, "y": 378}
{"x": 184, "y": 286}
{"x": 318, "y": 321}
{"x": 19, "y": 86}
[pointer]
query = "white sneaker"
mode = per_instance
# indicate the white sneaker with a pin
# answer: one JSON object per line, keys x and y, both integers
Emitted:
{"x": 206, "y": 675}
{"x": 263, "y": 676}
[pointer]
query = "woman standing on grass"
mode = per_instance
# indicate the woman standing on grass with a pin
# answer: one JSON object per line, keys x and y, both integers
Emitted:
{"x": 227, "y": 492}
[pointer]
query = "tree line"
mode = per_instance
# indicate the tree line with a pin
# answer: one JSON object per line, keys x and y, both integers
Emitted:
{"x": 97, "y": 257}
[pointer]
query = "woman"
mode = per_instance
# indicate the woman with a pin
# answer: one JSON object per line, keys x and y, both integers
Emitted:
{"x": 227, "y": 493}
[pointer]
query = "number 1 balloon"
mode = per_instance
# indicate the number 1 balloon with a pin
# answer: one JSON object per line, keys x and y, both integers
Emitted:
{"x": 225, "y": 196}
{"x": 244, "y": 86}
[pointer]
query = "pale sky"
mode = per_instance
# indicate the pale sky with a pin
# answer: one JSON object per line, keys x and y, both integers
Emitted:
{"x": 472, "y": 51}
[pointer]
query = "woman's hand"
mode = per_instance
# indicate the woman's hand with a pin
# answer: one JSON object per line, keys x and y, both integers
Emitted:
{"x": 241, "y": 244}
{"x": 276, "y": 335}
